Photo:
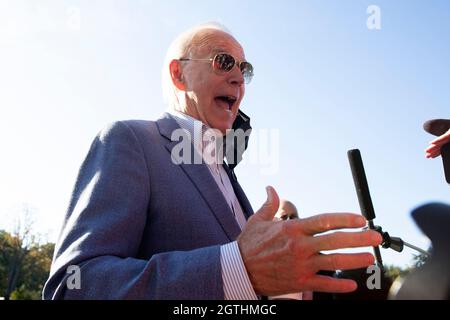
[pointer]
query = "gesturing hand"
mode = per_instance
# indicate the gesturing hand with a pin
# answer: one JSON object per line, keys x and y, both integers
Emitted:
{"x": 284, "y": 256}
{"x": 434, "y": 149}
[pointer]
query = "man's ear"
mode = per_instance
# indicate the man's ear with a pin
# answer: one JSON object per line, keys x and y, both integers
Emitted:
{"x": 176, "y": 74}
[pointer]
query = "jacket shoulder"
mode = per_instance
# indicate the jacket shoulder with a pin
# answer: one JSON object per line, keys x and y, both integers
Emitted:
{"x": 123, "y": 128}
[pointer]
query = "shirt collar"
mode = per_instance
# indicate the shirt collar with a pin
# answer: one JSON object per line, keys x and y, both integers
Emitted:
{"x": 202, "y": 136}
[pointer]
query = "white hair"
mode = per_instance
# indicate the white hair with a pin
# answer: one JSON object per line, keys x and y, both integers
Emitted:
{"x": 182, "y": 46}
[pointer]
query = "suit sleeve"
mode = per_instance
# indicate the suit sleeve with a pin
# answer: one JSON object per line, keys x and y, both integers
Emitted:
{"x": 103, "y": 228}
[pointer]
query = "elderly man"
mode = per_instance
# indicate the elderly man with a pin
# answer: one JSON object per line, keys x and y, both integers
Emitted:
{"x": 141, "y": 225}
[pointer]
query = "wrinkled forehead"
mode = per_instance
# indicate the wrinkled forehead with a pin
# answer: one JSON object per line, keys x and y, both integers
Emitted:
{"x": 209, "y": 42}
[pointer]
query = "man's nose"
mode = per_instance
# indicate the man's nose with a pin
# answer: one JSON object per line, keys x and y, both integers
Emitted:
{"x": 236, "y": 78}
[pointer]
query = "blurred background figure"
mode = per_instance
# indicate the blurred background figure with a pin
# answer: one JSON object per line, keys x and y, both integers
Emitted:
{"x": 286, "y": 211}
{"x": 431, "y": 281}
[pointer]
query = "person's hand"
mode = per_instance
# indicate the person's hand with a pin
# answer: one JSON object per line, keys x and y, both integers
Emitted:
{"x": 284, "y": 256}
{"x": 287, "y": 210}
{"x": 434, "y": 149}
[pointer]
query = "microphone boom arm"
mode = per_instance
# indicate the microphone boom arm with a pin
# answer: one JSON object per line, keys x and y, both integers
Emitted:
{"x": 367, "y": 210}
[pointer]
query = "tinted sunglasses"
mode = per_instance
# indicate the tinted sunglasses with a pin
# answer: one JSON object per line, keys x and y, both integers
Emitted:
{"x": 224, "y": 62}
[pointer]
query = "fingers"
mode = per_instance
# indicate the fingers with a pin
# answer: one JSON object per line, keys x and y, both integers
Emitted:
{"x": 270, "y": 207}
{"x": 331, "y": 262}
{"x": 339, "y": 240}
{"x": 432, "y": 151}
{"x": 328, "y": 284}
{"x": 307, "y": 295}
{"x": 442, "y": 139}
{"x": 330, "y": 221}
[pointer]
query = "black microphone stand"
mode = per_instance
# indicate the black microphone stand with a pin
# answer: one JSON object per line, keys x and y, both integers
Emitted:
{"x": 396, "y": 243}
{"x": 365, "y": 203}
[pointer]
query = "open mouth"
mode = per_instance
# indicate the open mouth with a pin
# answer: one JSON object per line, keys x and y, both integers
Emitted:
{"x": 228, "y": 101}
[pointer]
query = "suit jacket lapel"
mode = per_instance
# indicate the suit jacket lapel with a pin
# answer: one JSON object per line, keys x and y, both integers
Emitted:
{"x": 201, "y": 177}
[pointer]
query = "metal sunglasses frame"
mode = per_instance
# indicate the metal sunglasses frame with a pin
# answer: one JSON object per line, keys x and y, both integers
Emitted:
{"x": 236, "y": 63}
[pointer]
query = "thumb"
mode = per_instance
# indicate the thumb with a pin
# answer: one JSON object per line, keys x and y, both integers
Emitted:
{"x": 270, "y": 207}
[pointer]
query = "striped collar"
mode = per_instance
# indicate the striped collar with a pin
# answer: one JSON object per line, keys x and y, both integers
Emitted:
{"x": 201, "y": 135}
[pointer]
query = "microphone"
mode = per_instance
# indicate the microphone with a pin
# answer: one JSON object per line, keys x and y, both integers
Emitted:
{"x": 438, "y": 127}
{"x": 365, "y": 203}
{"x": 361, "y": 186}
{"x": 363, "y": 193}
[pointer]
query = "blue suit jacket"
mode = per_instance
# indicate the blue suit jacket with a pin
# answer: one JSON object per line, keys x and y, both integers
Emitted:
{"x": 141, "y": 227}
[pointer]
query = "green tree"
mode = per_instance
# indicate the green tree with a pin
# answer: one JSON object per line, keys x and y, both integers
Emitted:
{"x": 393, "y": 272}
{"x": 420, "y": 259}
{"x": 23, "y": 270}
{"x": 24, "y": 262}
{"x": 6, "y": 251}
{"x": 34, "y": 272}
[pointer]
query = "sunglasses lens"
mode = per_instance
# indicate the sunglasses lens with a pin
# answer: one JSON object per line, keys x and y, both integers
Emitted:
{"x": 247, "y": 71}
{"x": 224, "y": 62}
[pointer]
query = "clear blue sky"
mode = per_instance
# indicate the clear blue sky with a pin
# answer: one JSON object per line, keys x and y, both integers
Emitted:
{"x": 323, "y": 80}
